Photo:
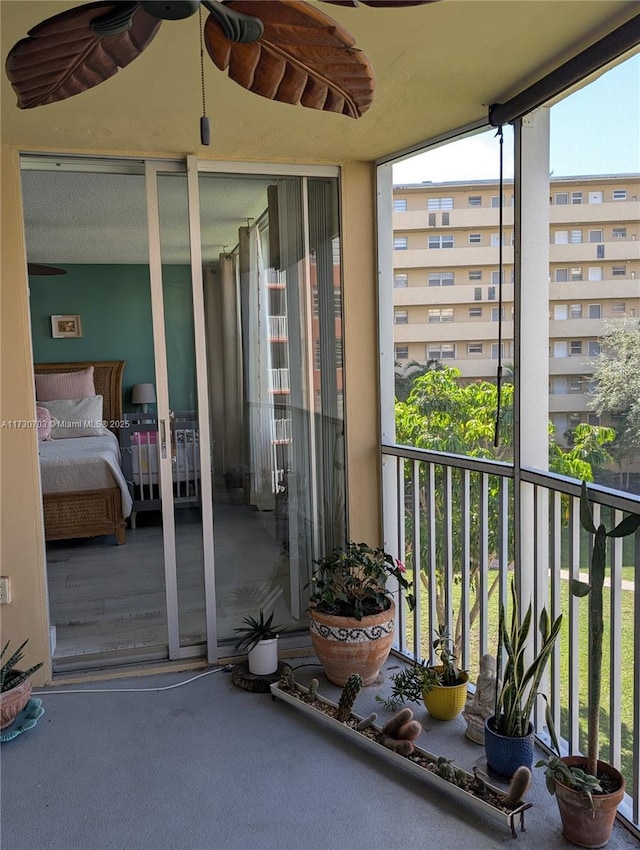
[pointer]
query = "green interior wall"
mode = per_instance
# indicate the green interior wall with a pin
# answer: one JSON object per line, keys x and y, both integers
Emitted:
{"x": 114, "y": 305}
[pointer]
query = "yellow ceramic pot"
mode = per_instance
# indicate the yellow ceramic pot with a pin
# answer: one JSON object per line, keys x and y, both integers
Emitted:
{"x": 444, "y": 702}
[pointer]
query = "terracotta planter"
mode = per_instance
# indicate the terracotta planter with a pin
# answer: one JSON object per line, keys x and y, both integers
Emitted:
{"x": 345, "y": 645}
{"x": 13, "y": 701}
{"x": 578, "y": 823}
{"x": 444, "y": 702}
{"x": 505, "y": 754}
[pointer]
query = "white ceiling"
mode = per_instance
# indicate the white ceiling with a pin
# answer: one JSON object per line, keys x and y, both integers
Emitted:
{"x": 73, "y": 218}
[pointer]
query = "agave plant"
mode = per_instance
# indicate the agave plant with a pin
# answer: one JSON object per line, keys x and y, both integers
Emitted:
{"x": 256, "y": 630}
{"x": 516, "y": 697}
{"x": 10, "y": 677}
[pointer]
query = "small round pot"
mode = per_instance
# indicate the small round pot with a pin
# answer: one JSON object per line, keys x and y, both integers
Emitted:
{"x": 579, "y": 825}
{"x": 505, "y": 754}
{"x": 345, "y": 645}
{"x": 263, "y": 658}
{"x": 444, "y": 702}
{"x": 13, "y": 701}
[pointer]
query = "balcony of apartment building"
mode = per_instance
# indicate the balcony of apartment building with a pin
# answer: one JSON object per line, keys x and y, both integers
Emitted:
{"x": 606, "y": 212}
{"x": 446, "y": 331}
{"x": 594, "y": 251}
{"x": 418, "y": 255}
{"x": 459, "y": 293}
{"x": 622, "y": 287}
{"x": 456, "y": 218}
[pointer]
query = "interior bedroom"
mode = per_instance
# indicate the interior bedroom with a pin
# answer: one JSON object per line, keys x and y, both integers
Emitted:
{"x": 127, "y": 553}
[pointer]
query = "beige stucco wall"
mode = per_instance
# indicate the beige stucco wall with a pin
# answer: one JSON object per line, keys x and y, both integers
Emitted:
{"x": 22, "y": 543}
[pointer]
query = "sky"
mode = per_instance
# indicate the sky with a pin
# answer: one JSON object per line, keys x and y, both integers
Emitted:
{"x": 596, "y": 130}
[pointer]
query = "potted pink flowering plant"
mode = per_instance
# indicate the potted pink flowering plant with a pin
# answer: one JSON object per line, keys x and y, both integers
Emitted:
{"x": 352, "y": 611}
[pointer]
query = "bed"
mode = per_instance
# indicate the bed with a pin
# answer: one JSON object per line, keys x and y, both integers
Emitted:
{"x": 85, "y": 493}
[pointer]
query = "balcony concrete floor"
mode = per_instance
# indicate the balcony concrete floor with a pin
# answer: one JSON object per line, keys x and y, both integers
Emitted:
{"x": 209, "y": 766}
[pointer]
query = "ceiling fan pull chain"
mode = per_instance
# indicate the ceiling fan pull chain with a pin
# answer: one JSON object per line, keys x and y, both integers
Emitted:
{"x": 116, "y": 21}
{"x": 205, "y": 128}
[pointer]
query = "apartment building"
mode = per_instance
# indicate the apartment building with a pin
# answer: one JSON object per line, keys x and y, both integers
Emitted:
{"x": 446, "y": 277}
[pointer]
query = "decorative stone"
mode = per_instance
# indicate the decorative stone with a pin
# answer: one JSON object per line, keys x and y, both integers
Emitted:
{"x": 243, "y": 678}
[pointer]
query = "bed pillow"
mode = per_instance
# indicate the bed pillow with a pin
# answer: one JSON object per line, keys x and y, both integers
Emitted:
{"x": 65, "y": 385}
{"x": 43, "y": 417}
{"x": 75, "y": 417}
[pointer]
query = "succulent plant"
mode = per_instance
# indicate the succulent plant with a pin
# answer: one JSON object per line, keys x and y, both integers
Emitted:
{"x": 348, "y": 696}
{"x": 256, "y": 630}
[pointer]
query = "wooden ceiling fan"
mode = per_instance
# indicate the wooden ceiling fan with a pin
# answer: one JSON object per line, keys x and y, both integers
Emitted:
{"x": 284, "y": 50}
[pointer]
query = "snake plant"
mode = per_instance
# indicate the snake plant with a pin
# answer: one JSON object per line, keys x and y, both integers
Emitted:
{"x": 516, "y": 696}
{"x": 10, "y": 677}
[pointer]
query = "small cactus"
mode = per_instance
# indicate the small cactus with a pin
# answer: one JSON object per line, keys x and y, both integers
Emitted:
{"x": 313, "y": 689}
{"x": 366, "y": 722}
{"x": 445, "y": 769}
{"x": 287, "y": 678}
{"x": 348, "y": 696}
{"x": 520, "y": 783}
{"x": 400, "y": 731}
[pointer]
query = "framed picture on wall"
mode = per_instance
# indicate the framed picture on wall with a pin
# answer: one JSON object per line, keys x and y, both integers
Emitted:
{"x": 66, "y": 326}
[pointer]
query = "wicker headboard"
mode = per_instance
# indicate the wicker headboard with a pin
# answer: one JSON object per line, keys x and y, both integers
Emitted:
{"x": 107, "y": 377}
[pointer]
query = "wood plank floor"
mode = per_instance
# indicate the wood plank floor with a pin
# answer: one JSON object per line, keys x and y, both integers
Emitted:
{"x": 107, "y": 599}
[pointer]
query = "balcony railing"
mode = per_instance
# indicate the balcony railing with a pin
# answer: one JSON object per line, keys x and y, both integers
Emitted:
{"x": 466, "y": 528}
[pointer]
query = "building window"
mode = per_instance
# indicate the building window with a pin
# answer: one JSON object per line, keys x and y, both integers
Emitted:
{"x": 576, "y": 385}
{"x": 338, "y": 354}
{"x": 619, "y": 232}
{"x": 475, "y": 200}
{"x": 495, "y": 201}
{"x": 619, "y": 195}
{"x": 337, "y": 302}
{"x": 475, "y": 348}
{"x": 576, "y": 273}
{"x": 595, "y": 236}
{"x": 560, "y": 312}
{"x": 595, "y": 311}
{"x": 401, "y": 281}
{"x": 593, "y": 348}
{"x": 594, "y": 273}
{"x": 432, "y": 220}
{"x": 495, "y": 348}
{"x": 440, "y": 204}
{"x": 495, "y": 277}
{"x": 561, "y": 237}
{"x": 399, "y": 204}
{"x": 618, "y": 308}
{"x": 574, "y": 419}
{"x": 445, "y": 219}
{"x": 595, "y": 197}
{"x": 575, "y": 311}
{"x": 440, "y": 314}
{"x": 440, "y": 278}
{"x": 441, "y": 351}
{"x": 576, "y": 237}
{"x": 491, "y": 293}
{"x": 476, "y": 274}
{"x": 576, "y": 197}
{"x": 562, "y": 275}
{"x": 402, "y": 352}
{"x": 561, "y": 198}
{"x": 475, "y": 239}
{"x": 475, "y": 312}
{"x": 496, "y": 313}
{"x": 477, "y": 293}
{"x": 400, "y": 243}
{"x": 618, "y": 271}
{"x": 593, "y": 419}
{"x": 444, "y": 240}
{"x": 575, "y": 348}
{"x": 600, "y": 252}
{"x": 401, "y": 317}
{"x": 560, "y": 349}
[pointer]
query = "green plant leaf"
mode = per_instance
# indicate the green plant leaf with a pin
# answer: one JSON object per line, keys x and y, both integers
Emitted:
{"x": 586, "y": 517}
{"x": 625, "y": 527}
{"x": 579, "y": 588}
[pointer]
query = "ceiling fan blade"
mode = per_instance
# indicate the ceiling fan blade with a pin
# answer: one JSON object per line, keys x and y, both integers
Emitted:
{"x": 37, "y": 269}
{"x": 76, "y": 50}
{"x": 304, "y": 57}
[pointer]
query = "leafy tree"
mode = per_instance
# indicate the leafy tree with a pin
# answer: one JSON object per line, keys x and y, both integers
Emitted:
{"x": 617, "y": 385}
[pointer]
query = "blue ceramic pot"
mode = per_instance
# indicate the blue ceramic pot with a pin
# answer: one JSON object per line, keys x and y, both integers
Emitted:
{"x": 505, "y": 755}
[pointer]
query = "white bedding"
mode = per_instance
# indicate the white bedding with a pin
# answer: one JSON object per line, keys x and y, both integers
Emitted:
{"x": 83, "y": 463}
